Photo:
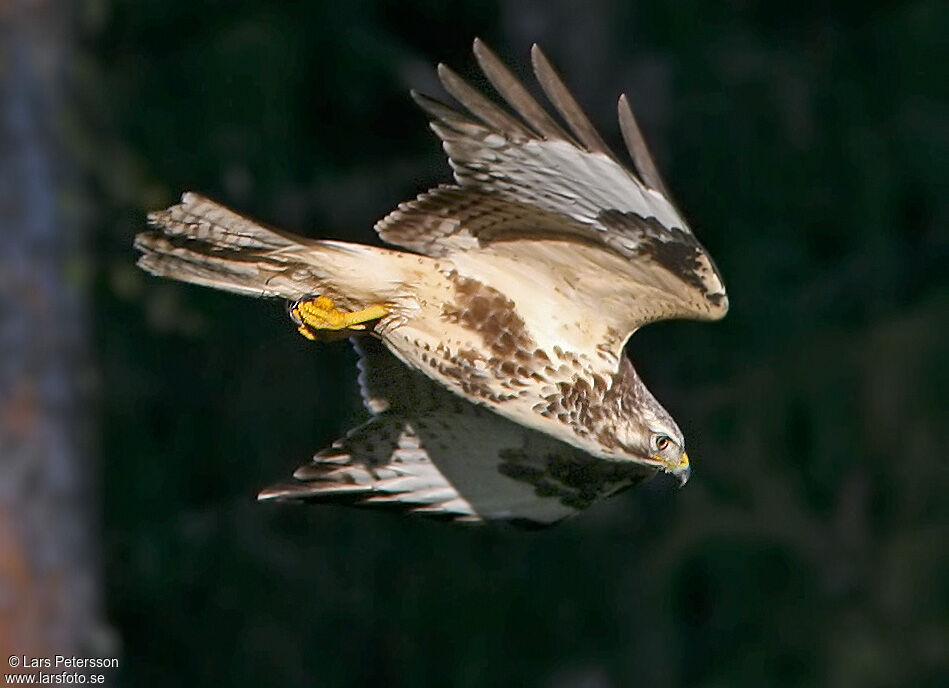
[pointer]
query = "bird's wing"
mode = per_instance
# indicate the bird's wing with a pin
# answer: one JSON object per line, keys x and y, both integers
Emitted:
{"x": 523, "y": 176}
{"x": 428, "y": 452}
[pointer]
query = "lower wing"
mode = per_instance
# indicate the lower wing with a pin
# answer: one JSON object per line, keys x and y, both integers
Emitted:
{"x": 428, "y": 452}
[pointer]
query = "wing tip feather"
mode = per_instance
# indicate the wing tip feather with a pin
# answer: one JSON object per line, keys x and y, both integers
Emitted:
{"x": 638, "y": 150}
{"x": 564, "y": 102}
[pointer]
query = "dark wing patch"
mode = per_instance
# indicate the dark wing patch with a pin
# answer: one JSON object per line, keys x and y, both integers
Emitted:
{"x": 577, "y": 482}
{"x": 675, "y": 250}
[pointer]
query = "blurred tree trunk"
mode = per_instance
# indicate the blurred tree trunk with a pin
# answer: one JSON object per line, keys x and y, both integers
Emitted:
{"x": 49, "y": 580}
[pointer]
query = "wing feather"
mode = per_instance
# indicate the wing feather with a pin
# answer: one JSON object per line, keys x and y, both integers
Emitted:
{"x": 561, "y": 98}
{"x": 481, "y": 107}
{"x": 522, "y": 175}
{"x": 516, "y": 95}
{"x": 638, "y": 150}
{"x": 428, "y": 452}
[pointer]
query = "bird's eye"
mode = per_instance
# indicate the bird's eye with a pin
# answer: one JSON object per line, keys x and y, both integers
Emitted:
{"x": 662, "y": 442}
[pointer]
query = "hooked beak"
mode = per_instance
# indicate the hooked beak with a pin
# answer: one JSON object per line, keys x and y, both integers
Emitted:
{"x": 682, "y": 472}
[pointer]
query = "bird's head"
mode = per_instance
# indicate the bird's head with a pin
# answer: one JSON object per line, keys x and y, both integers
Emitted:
{"x": 656, "y": 442}
{"x": 648, "y": 434}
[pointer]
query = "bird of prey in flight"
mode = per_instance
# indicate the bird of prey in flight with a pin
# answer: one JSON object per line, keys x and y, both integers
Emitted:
{"x": 491, "y": 342}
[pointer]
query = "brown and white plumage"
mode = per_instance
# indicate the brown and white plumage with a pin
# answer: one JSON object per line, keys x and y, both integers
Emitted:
{"x": 529, "y": 178}
{"x": 522, "y": 283}
{"x": 428, "y": 452}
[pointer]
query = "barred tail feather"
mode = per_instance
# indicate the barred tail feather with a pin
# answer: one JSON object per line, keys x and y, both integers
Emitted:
{"x": 247, "y": 273}
{"x": 200, "y": 219}
{"x": 202, "y": 242}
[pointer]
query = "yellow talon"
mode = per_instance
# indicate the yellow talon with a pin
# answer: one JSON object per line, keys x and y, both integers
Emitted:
{"x": 321, "y": 314}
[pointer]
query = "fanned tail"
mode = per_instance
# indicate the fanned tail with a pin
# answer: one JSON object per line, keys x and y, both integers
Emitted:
{"x": 202, "y": 242}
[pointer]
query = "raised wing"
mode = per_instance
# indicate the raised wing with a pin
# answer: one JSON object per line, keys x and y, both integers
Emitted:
{"x": 428, "y": 452}
{"x": 524, "y": 176}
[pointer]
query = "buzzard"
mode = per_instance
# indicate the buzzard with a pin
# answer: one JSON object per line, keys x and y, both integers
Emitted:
{"x": 492, "y": 343}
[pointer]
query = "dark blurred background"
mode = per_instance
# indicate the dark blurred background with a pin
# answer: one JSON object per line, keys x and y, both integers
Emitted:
{"x": 806, "y": 142}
